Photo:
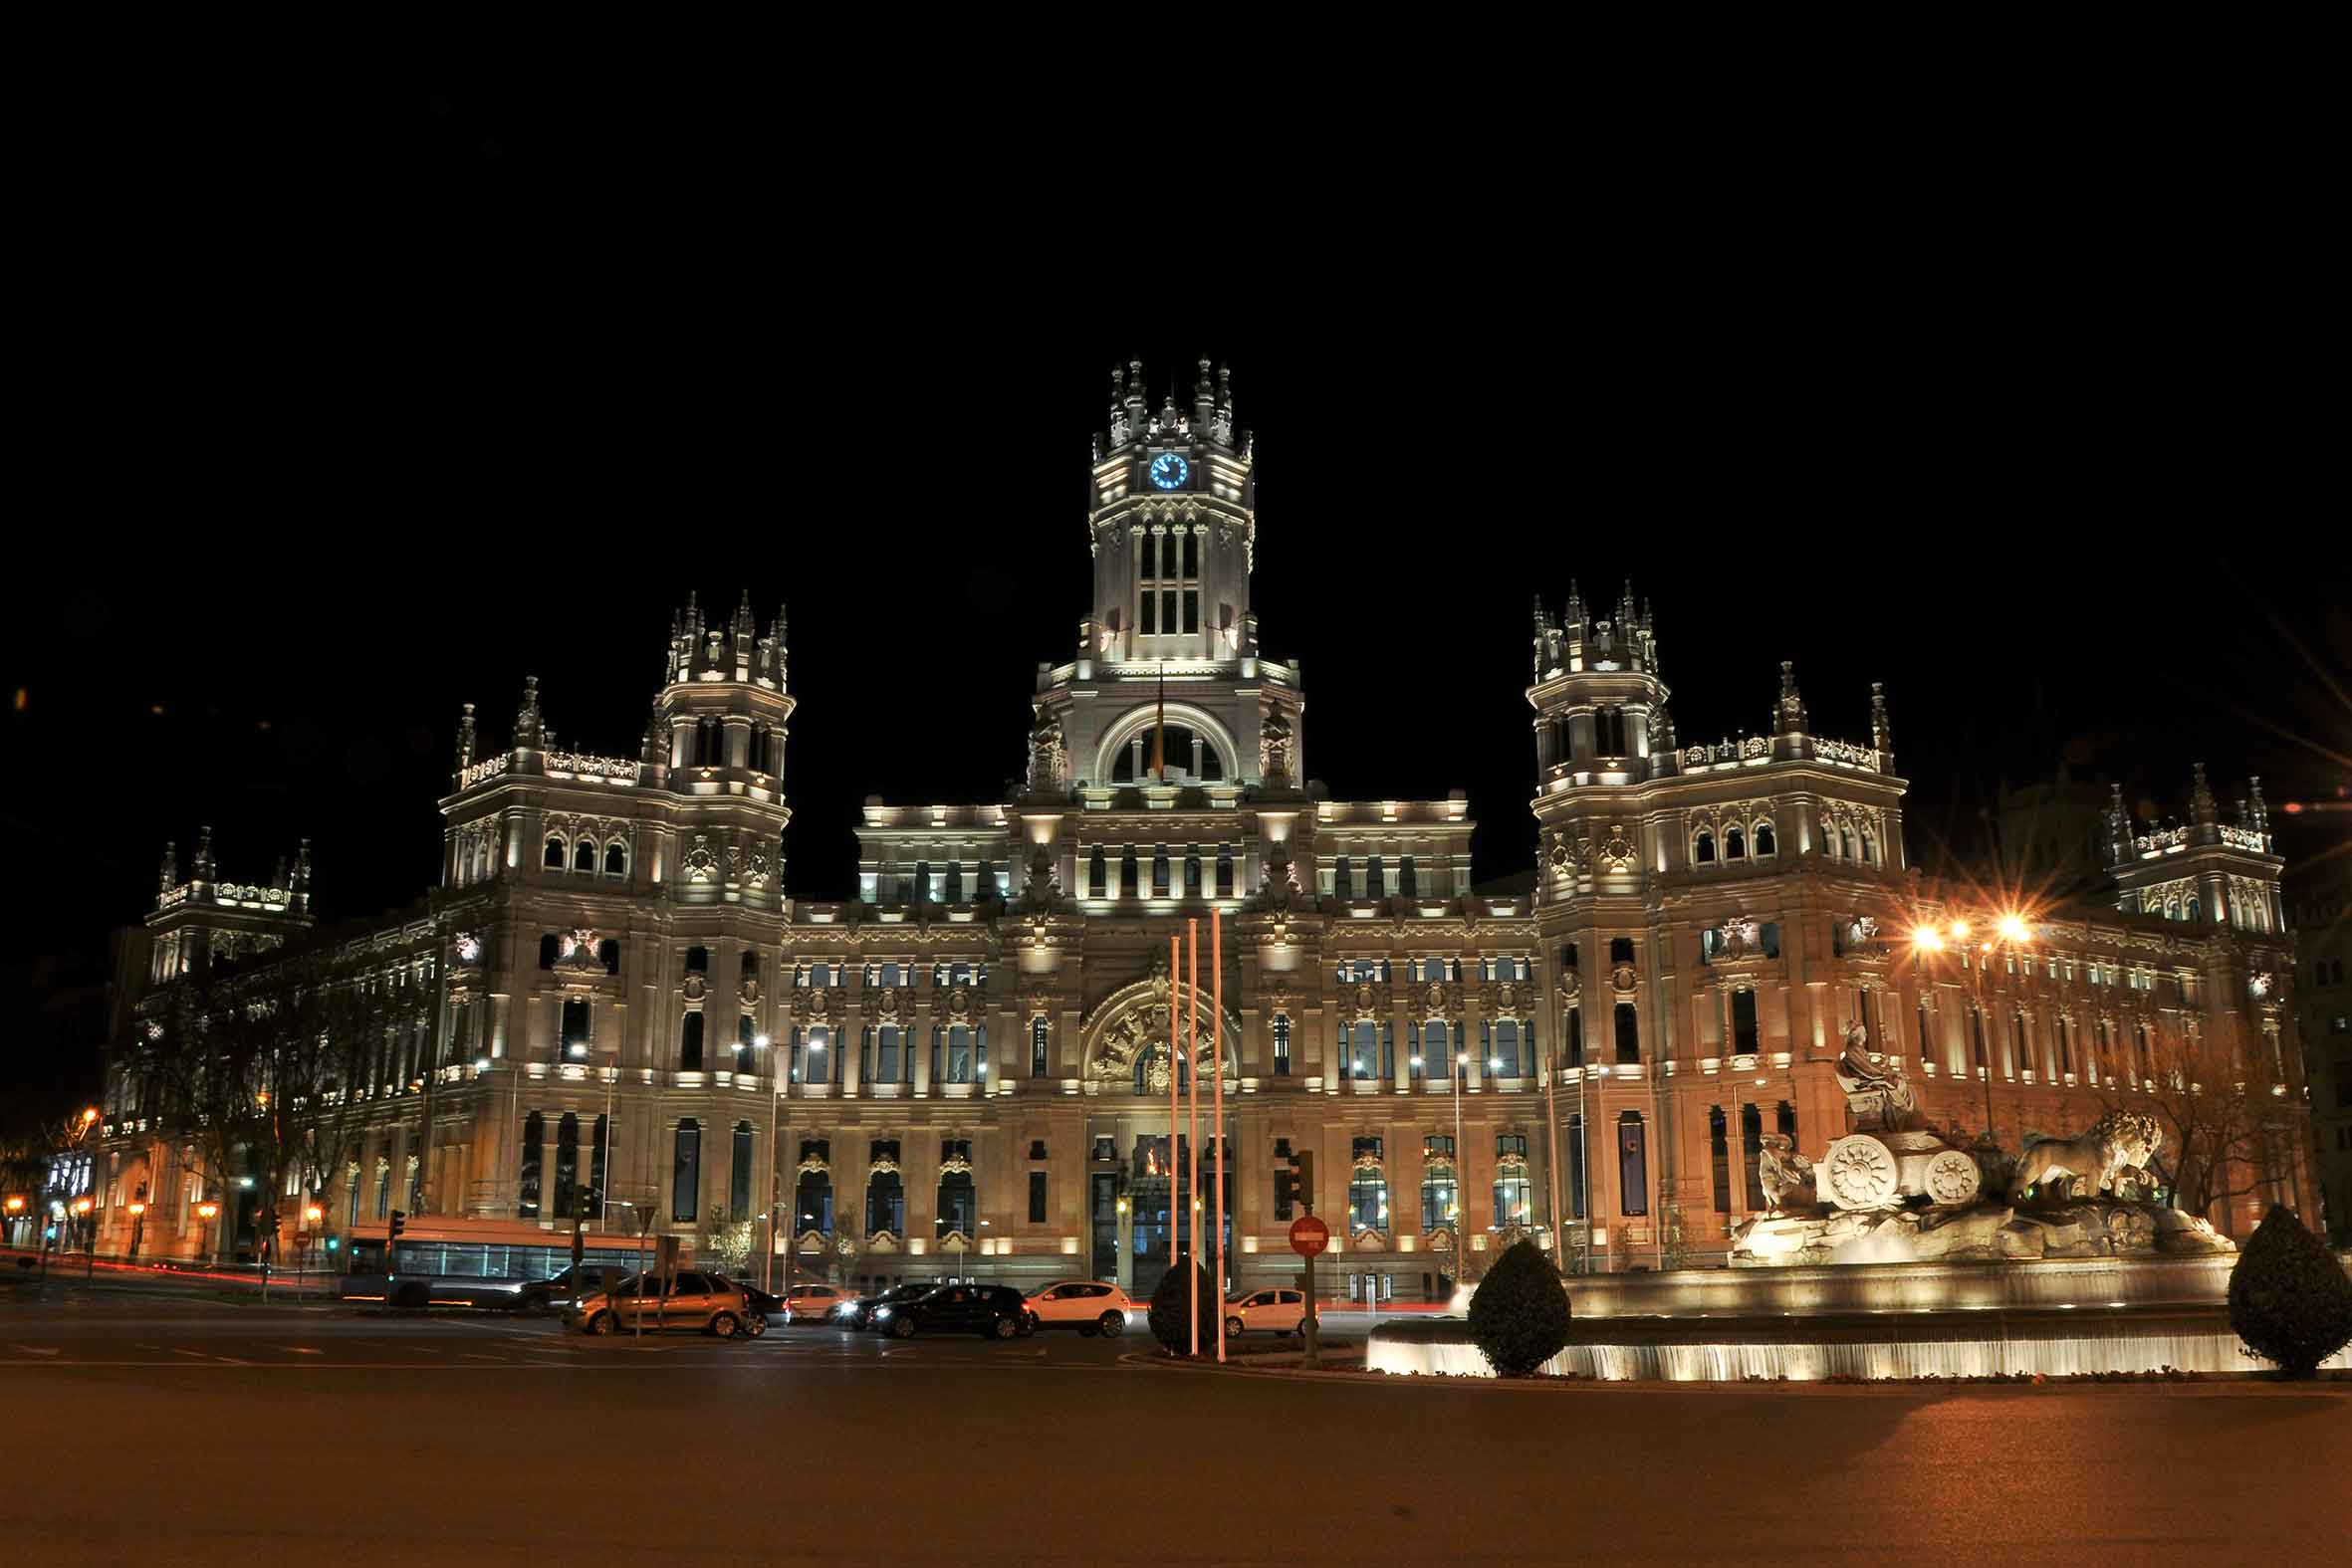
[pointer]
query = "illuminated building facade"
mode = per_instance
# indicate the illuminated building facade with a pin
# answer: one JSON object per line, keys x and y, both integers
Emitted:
{"x": 965, "y": 1069}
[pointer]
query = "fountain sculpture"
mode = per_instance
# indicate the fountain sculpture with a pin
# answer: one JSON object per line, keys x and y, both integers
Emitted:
{"x": 1894, "y": 1191}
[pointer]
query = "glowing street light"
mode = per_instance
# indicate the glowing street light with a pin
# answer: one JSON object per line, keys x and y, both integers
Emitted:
{"x": 1927, "y": 939}
{"x": 312, "y": 1213}
{"x": 2012, "y": 929}
{"x": 16, "y": 1204}
{"x": 209, "y": 1209}
{"x": 81, "y": 1204}
{"x": 136, "y": 1208}
{"x": 1960, "y": 931}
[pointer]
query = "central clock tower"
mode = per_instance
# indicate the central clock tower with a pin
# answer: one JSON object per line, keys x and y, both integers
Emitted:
{"x": 1169, "y": 643}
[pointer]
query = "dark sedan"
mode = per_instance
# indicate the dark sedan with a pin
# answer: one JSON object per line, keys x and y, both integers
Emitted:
{"x": 860, "y": 1313}
{"x": 992, "y": 1311}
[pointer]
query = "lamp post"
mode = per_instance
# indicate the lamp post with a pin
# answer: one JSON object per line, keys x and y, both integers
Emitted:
{"x": 775, "y": 1176}
{"x": 2010, "y": 934}
{"x": 207, "y": 1210}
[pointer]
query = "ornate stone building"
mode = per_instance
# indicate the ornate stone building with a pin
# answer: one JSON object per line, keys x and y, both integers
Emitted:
{"x": 612, "y": 997}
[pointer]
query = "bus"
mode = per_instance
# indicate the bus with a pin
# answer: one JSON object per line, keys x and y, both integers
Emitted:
{"x": 484, "y": 1264}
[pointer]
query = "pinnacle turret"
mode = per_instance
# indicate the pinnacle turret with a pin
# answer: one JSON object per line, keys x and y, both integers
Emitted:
{"x": 168, "y": 877}
{"x": 2202, "y": 807}
{"x": 1789, "y": 716}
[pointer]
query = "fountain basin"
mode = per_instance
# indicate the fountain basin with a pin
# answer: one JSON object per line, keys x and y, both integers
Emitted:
{"x": 1873, "y": 1320}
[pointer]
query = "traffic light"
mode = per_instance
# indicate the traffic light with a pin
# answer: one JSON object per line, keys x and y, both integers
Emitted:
{"x": 1304, "y": 1181}
{"x": 1285, "y": 1179}
{"x": 399, "y": 1224}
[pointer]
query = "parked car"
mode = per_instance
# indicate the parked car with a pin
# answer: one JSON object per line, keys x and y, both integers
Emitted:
{"x": 813, "y": 1304}
{"x": 992, "y": 1311}
{"x": 760, "y": 1309}
{"x": 1270, "y": 1312}
{"x": 860, "y": 1314}
{"x": 1087, "y": 1306}
{"x": 697, "y": 1300}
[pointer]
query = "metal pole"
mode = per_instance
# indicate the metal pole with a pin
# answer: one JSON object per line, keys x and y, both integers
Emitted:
{"x": 1191, "y": 1137}
{"x": 1175, "y": 972}
{"x": 775, "y": 1173}
{"x": 1461, "y": 1243}
{"x": 1217, "y": 1102}
{"x": 1551, "y": 1152}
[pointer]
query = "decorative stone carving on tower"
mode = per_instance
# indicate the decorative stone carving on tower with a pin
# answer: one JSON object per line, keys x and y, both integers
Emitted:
{"x": 201, "y": 870}
{"x": 529, "y": 726}
{"x": 1045, "y": 756}
{"x": 1273, "y": 750}
{"x": 465, "y": 739}
{"x": 168, "y": 877}
{"x": 2202, "y": 807}
{"x": 1788, "y": 718}
{"x": 1044, "y": 889}
{"x": 1882, "y": 730}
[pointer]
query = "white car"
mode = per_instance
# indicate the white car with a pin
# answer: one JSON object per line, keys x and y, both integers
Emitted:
{"x": 1087, "y": 1306}
{"x": 812, "y": 1303}
{"x": 1269, "y": 1312}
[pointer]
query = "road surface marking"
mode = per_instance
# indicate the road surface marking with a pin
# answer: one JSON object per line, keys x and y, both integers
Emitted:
{"x": 300, "y": 1350}
{"x": 35, "y": 1350}
{"x": 198, "y": 1354}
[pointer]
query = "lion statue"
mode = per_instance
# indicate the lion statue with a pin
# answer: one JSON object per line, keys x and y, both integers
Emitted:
{"x": 1785, "y": 1176}
{"x": 2119, "y": 1144}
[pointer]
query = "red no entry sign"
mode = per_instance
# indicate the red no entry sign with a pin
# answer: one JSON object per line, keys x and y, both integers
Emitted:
{"x": 1308, "y": 1236}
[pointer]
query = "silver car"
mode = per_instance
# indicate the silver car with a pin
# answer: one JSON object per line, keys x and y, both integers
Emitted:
{"x": 696, "y": 1300}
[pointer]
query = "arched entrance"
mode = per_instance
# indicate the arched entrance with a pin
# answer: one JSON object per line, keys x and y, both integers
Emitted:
{"x": 1145, "y": 1185}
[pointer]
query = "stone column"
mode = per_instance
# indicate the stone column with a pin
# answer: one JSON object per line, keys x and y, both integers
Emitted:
{"x": 919, "y": 1034}
{"x": 1473, "y": 1014}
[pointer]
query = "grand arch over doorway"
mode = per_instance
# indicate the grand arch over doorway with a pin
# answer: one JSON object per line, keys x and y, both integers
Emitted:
{"x": 1139, "y": 720}
{"x": 1125, "y": 1037}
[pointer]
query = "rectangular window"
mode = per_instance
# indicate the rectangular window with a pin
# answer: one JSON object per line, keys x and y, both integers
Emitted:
{"x": 1036, "y": 1198}
{"x": 1342, "y": 885}
{"x": 1743, "y": 1032}
{"x": 1751, "y": 1153}
{"x": 1575, "y": 1031}
{"x": 1192, "y": 609}
{"x": 1376, "y": 879}
{"x": 1039, "y": 1032}
{"x": 1718, "y": 1157}
{"x": 595, "y": 1193}
{"x": 1633, "y": 1164}
{"x": 1168, "y": 611}
{"x": 1628, "y": 1035}
{"x": 567, "y": 1166}
{"x": 527, "y": 1191}
{"x": 1282, "y": 1044}
{"x": 1576, "y": 1179}
{"x": 686, "y": 1172}
{"x": 1151, "y": 616}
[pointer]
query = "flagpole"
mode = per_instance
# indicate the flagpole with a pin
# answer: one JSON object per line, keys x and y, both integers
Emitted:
{"x": 1192, "y": 1138}
{"x": 1217, "y": 1102}
{"x": 1175, "y": 973}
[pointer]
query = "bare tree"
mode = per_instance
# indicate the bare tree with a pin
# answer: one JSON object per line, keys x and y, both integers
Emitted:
{"x": 2215, "y": 1105}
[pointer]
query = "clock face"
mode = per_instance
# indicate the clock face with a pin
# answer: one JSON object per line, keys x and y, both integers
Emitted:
{"x": 1168, "y": 471}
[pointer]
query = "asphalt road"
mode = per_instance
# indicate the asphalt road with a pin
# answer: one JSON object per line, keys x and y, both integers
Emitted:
{"x": 166, "y": 1431}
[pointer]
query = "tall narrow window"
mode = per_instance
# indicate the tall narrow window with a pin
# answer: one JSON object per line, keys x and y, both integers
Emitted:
{"x": 686, "y": 1172}
{"x": 1225, "y": 871}
{"x": 742, "y": 1043}
{"x": 1097, "y": 873}
{"x": 566, "y": 1199}
{"x": 1282, "y": 1044}
{"x": 1628, "y": 1035}
{"x": 1976, "y": 1039}
{"x": 739, "y": 1175}
{"x": 1633, "y": 1164}
{"x": 1375, "y": 878}
{"x": 595, "y": 1193}
{"x": 533, "y": 1129}
{"x": 1719, "y": 1152}
{"x": 574, "y": 1028}
{"x": 1575, "y": 1036}
{"x": 1926, "y": 1036}
{"x": 1743, "y": 1032}
{"x": 690, "y": 1043}
{"x": 1751, "y": 1153}
{"x": 1039, "y": 1035}
{"x": 1342, "y": 885}
{"x": 1577, "y": 1182}
{"x": 1036, "y": 1198}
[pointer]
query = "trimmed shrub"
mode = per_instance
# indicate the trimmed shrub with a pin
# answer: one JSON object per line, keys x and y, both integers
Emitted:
{"x": 1171, "y": 1299}
{"x": 2289, "y": 1297}
{"x": 1519, "y": 1315}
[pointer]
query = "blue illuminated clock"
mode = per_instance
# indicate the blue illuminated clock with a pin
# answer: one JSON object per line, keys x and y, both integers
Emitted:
{"x": 1169, "y": 472}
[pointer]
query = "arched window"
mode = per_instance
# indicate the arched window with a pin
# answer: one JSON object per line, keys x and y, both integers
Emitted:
{"x": 1763, "y": 838}
{"x": 686, "y": 1172}
{"x": 1703, "y": 848}
{"x": 2191, "y": 909}
{"x": 959, "y": 1206}
{"x": 1512, "y": 1200}
{"x": 1850, "y": 849}
{"x": 583, "y": 855}
{"x": 885, "y": 1204}
{"x": 1734, "y": 844}
{"x": 616, "y": 858}
{"x": 690, "y": 1043}
{"x": 813, "y": 1202}
{"x": 1869, "y": 847}
{"x": 554, "y": 859}
{"x": 1502, "y": 1058}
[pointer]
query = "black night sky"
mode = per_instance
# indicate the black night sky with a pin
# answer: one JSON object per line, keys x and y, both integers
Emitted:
{"x": 373, "y": 409}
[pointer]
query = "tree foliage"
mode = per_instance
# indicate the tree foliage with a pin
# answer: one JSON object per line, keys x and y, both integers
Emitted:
{"x": 1171, "y": 1305}
{"x": 2225, "y": 1134}
{"x": 1518, "y": 1316}
{"x": 2289, "y": 1297}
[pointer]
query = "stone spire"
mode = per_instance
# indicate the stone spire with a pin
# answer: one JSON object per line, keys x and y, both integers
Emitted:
{"x": 1122, "y": 423}
{"x": 2202, "y": 808}
{"x": 2259, "y": 818}
{"x": 201, "y": 870}
{"x": 2119, "y": 827}
{"x": 1789, "y": 717}
{"x": 465, "y": 739}
{"x": 300, "y": 883}
{"x": 1221, "y": 418}
{"x": 529, "y": 728}
{"x": 1574, "y": 621}
{"x": 168, "y": 877}
{"x": 1882, "y": 733}
{"x": 1204, "y": 399}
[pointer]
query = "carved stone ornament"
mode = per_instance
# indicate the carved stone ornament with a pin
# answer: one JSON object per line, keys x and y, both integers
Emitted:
{"x": 469, "y": 947}
{"x": 694, "y": 988}
{"x": 1624, "y": 978}
{"x": 886, "y": 1005}
{"x": 954, "y": 1165}
{"x": 701, "y": 865}
{"x": 1616, "y": 854}
{"x": 959, "y": 1004}
{"x": 810, "y": 1001}
{"x": 1571, "y": 983}
{"x": 1506, "y": 1000}
{"x": 815, "y": 1165}
{"x": 1132, "y": 1025}
{"x": 751, "y": 989}
{"x": 578, "y": 950}
{"x": 1038, "y": 1003}
{"x": 884, "y": 1165}
{"x": 1363, "y": 1000}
